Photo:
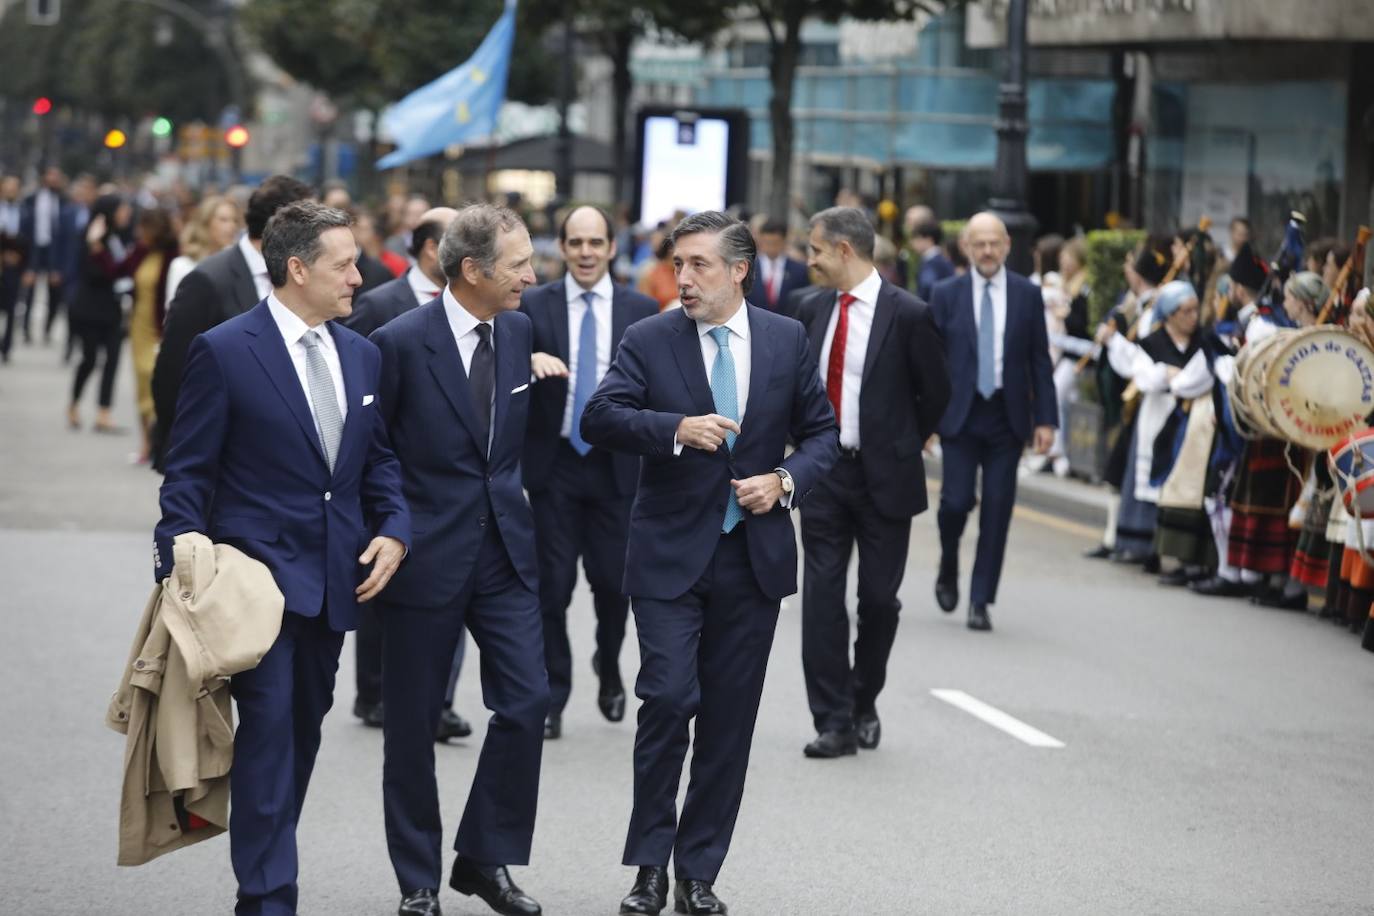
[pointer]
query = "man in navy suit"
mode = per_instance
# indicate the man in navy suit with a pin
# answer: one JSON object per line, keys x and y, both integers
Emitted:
{"x": 993, "y": 322}
{"x": 456, "y": 395}
{"x": 884, "y": 368}
{"x": 278, "y": 448}
{"x": 581, "y": 495}
{"x": 41, "y": 224}
{"x": 927, "y": 242}
{"x": 777, "y": 275}
{"x": 709, "y": 396}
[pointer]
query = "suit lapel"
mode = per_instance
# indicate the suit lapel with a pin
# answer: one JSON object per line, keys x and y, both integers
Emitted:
{"x": 270, "y": 350}
{"x": 823, "y": 303}
{"x": 883, "y": 312}
{"x": 446, "y": 365}
{"x": 620, "y": 318}
{"x": 351, "y": 363}
{"x": 760, "y": 370}
{"x": 558, "y": 314}
{"x": 687, "y": 351}
{"x": 506, "y": 377}
{"x": 966, "y": 320}
{"x": 245, "y": 290}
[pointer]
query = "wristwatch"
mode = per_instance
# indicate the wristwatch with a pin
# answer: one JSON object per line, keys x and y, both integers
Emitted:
{"x": 786, "y": 481}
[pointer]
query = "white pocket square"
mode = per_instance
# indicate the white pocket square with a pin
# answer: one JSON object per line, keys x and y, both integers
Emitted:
{"x": 368, "y": 399}
{"x": 520, "y": 389}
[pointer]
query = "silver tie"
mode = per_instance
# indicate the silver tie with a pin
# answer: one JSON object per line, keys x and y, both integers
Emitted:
{"x": 324, "y": 397}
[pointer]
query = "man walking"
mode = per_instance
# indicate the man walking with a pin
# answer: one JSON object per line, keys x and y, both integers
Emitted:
{"x": 884, "y": 369}
{"x": 580, "y": 494}
{"x": 709, "y": 396}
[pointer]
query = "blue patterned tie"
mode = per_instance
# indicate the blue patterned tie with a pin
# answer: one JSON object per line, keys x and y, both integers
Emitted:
{"x": 726, "y": 395}
{"x": 584, "y": 386}
{"x": 987, "y": 345}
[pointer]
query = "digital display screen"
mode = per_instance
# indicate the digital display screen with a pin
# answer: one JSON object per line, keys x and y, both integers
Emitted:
{"x": 684, "y": 166}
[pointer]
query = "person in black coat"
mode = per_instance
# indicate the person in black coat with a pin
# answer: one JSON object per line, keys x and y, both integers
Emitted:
{"x": 96, "y": 316}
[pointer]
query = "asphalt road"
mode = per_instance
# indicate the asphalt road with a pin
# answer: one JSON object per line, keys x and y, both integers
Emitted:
{"x": 1216, "y": 757}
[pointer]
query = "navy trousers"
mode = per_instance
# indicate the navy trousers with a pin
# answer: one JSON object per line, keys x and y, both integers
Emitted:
{"x": 281, "y": 704}
{"x": 418, "y": 646}
{"x": 702, "y": 656}
{"x": 580, "y": 513}
{"x": 985, "y": 442}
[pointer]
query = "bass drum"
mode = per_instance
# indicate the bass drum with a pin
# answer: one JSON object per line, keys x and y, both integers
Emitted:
{"x": 1317, "y": 386}
{"x": 1248, "y": 420}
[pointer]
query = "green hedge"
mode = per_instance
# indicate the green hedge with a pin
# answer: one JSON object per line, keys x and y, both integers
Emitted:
{"x": 1107, "y": 250}
{"x": 952, "y": 227}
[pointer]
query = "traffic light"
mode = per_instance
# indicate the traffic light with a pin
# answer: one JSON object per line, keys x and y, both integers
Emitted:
{"x": 42, "y": 105}
{"x": 162, "y": 127}
{"x": 115, "y": 139}
{"x": 236, "y": 136}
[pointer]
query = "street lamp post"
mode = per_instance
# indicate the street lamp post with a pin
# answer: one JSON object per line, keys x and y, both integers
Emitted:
{"x": 1010, "y": 177}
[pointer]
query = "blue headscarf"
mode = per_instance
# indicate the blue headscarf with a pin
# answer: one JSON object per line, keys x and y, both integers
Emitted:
{"x": 1170, "y": 296}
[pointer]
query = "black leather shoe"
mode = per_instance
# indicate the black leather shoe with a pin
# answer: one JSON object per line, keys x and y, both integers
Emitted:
{"x": 1100, "y": 552}
{"x": 1176, "y": 579}
{"x": 496, "y": 889}
{"x": 947, "y": 585}
{"x": 1151, "y": 564}
{"x": 611, "y": 701}
{"x": 1279, "y": 600}
{"x": 1217, "y": 587}
{"x": 370, "y": 713}
{"x": 424, "y": 902}
{"x": 868, "y": 730}
{"x": 978, "y": 618}
{"x": 695, "y": 898}
{"x": 649, "y": 895}
{"x": 451, "y": 725}
{"x": 553, "y": 726}
{"x": 829, "y": 745}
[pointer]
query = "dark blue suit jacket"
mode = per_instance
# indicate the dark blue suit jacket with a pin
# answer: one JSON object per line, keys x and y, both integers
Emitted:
{"x": 1027, "y": 376}
{"x": 453, "y": 486}
{"x": 547, "y": 307}
{"x": 380, "y": 304}
{"x": 245, "y": 466}
{"x": 658, "y": 378}
{"x": 794, "y": 277}
{"x": 932, "y": 273}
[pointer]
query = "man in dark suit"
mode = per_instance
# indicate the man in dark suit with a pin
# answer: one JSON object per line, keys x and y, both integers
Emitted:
{"x": 927, "y": 242}
{"x": 777, "y": 275}
{"x": 456, "y": 390}
{"x": 14, "y": 251}
{"x": 225, "y": 284}
{"x": 581, "y": 495}
{"x": 41, "y": 225}
{"x": 993, "y": 322}
{"x": 884, "y": 369}
{"x": 418, "y": 285}
{"x": 278, "y": 449}
{"x": 709, "y": 396}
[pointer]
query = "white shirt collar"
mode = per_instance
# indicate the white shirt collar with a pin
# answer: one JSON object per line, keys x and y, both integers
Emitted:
{"x": 291, "y": 326}
{"x": 460, "y": 319}
{"x": 423, "y": 287}
{"x": 256, "y": 265}
{"x": 998, "y": 280}
{"x": 574, "y": 290}
{"x": 739, "y": 323}
{"x": 867, "y": 290}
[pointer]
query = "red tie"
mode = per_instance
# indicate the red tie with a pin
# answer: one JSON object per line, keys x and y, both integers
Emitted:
{"x": 834, "y": 373}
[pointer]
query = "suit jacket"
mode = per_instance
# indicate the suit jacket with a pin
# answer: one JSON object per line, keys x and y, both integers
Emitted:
{"x": 933, "y": 271}
{"x": 658, "y": 378}
{"x": 379, "y": 305}
{"x": 454, "y": 486}
{"x": 373, "y": 272}
{"x": 1027, "y": 376}
{"x": 794, "y": 277}
{"x": 245, "y": 466}
{"x": 547, "y": 307}
{"x": 904, "y": 392}
{"x": 219, "y": 288}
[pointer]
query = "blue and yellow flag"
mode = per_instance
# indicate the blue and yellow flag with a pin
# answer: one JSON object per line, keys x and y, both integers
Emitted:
{"x": 459, "y": 107}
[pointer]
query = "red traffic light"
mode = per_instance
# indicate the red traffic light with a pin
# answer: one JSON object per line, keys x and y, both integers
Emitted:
{"x": 236, "y": 136}
{"x": 42, "y": 105}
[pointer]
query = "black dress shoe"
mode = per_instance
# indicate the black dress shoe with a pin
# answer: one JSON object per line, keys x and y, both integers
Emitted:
{"x": 424, "y": 902}
{"x": 553, "y": 726}
{"x": 1176, "y": 579}
{"x": 451, "y": 725}
{"x": 370, "y": 713}
{"x": 1100, "y": 552}
{"x": 1279, "y": 600}
{"x": 695, "y": 898}
{"x": 1151, "y": 564}
{"x": 978, "y": 618}
{"x": 829, "y": 745}
{"x": 868, "y": 730}
{"x": 1217, "y": 587}
{"x": 649, "y": 895}
{"x": 496, "y": 889}
{"x": 611, "y": 701}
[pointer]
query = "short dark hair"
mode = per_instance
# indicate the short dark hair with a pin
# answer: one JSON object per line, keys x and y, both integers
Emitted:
{"x": 563, "y": 225}
{"x": 773, "y": 226}
{"x": 848, "y": 224}
{"x": 294, "y": 232}
{"x": 1241, "y": 220}
{"x": 428, "y": 229}
{"x": 472, "y": 234}
{"x": 929, "y": 229}
{"x": 735, "y": 241}
{"x": 273, "y": 194}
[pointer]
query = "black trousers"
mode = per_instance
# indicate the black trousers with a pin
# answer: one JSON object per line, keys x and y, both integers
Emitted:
{"x": 580, "y": 514}
{"x": 96, "y": 339}
{"x": 367, "y": 658}
{"x": 40, "y": 262}
{"x": 9, "y": 301}
{"x": 838, "y": 514}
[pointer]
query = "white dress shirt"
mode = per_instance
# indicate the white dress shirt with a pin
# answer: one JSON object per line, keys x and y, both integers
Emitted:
{"x": 855, "y": 350}
{"x": 293, "y": 329}
{"x": 45, "y": 207}
{"x": 998, "y": 282}
{"x": 423, "y": 287}
{"x": 9, "y": 217}
{"x": 577, "y": 307}
{"x": 739, "y": 349}
{"x": 256, "y": 266}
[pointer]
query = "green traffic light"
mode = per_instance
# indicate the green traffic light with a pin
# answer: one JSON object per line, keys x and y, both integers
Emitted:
{"x": 162, "y": 127}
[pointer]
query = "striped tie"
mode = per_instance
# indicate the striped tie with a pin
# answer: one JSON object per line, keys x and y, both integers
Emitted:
{"x": 328, "y": 419}
{"x": 725, "y": 393}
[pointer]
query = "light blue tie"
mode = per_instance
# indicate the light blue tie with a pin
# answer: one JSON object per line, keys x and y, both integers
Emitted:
{"x": 584, "y": 386}
{"x": 987, "y": 345}
{"x": 726, "y": 395}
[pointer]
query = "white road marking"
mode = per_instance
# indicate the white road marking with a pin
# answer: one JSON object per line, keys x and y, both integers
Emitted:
{"x": 997, "y": 719}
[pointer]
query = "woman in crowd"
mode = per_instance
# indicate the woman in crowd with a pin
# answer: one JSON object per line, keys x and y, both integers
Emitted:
{"x": 658, "y": 279}
{"x": 148, "y": 264}
{"x": 96, "y": 316}
{"x": 213, "y": 226}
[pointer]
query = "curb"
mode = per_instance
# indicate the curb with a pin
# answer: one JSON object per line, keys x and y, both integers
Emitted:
{"x": 1070, "y": 498}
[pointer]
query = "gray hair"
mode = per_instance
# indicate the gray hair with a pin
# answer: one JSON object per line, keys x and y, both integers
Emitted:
{"x": 294, "y": 232}
{"x": 734, "y": 240}
{"x": 473, "y": 234}
{"x": 847, "y": 224}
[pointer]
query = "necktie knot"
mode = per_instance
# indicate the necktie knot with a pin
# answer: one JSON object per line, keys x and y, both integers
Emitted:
{"x": 483, "y": 332}
{"x": 846, "y": 300}
{"x": 311, "y": 339}
{"x": 589, "y": 297}
{"x": 721, "y": 335}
